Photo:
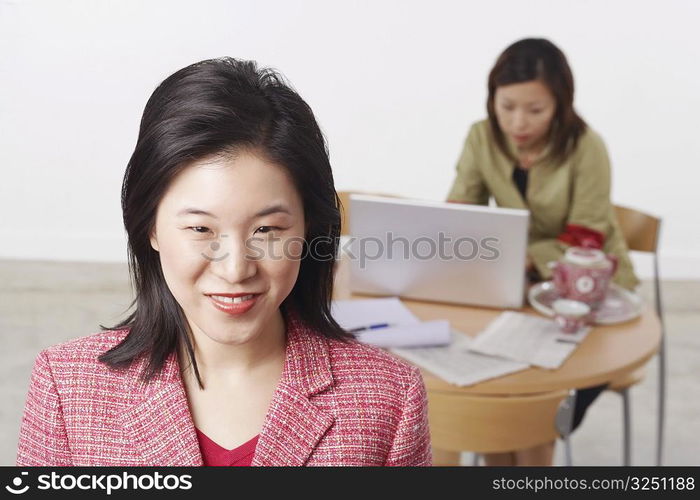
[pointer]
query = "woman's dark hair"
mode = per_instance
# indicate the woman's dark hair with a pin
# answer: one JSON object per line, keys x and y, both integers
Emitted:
{"x": 214, "y": 107}
{"x": 539, "y": 59}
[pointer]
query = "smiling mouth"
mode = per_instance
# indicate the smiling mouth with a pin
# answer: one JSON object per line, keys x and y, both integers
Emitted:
{"x": 233, "y": 300}
{"x": 234, "y": 306}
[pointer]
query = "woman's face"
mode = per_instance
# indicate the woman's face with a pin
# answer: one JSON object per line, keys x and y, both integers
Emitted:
{"x": 524, "y": 112}
{"x": 230, "y": 226}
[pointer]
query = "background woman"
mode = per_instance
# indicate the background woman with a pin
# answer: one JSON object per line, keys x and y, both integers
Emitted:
{"x": 535, "y": 152}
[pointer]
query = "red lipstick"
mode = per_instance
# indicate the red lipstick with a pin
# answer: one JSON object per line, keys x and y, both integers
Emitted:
{"x": 234, "y": 308}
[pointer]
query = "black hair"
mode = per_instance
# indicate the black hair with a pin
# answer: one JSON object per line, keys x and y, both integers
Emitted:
{"x": 539, "y": 59}
{"x": 212, "y": 107}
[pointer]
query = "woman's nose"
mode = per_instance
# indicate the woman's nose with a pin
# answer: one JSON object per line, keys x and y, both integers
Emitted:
{"x": 234, "y": 263}
{"x": 519, "y": 121}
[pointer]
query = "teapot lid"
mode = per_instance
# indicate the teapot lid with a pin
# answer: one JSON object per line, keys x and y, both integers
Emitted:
{"x": 583, "y": 256}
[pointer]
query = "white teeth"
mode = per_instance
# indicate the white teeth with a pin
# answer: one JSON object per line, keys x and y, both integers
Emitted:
{"x": 232, "y": 300}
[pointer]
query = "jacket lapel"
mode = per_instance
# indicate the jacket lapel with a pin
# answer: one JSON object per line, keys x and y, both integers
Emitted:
{"x": 294, "y": 425}
{"x": 159, "y": 424}
{"x": 515, "y": 199}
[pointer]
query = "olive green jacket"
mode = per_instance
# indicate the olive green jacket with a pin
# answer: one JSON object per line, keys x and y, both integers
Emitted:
{"x": 576, "y": 191}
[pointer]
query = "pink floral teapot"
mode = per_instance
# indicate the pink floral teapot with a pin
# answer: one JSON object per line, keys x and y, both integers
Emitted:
{"x": 584, "y": 274}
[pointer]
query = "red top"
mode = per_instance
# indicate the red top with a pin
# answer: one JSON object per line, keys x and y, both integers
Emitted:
{"x": 214, "y": 454}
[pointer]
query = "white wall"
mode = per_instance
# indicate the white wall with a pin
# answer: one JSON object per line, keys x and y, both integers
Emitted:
{"x": 394, "y": 85}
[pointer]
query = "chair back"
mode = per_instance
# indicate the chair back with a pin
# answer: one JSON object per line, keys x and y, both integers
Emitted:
{"x": 492, "y": 424}
{"x": 640, "y": 230}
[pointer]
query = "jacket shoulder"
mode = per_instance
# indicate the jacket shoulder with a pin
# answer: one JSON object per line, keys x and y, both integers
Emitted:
{"x": 86, "y": 348}
{"x": 75, "y": 362}
{"x": 480, "y": 132}
{"x": 590, "y": 140}
{"x": 358, "y": 362}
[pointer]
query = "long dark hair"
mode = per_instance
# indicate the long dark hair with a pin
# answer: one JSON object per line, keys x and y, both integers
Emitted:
{"x": 539, "y": 59}
{"x": 210, "y": 107}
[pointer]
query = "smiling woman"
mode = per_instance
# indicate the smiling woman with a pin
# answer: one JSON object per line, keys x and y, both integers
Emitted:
{"x": 206, "y": 255}
{"x": 231, "y": 355}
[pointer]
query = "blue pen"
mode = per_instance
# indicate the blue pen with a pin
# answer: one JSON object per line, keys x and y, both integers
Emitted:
{"x": 374, "y": 326}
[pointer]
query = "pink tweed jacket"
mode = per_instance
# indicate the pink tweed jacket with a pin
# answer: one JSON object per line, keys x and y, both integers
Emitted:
{"x": 336, "y": 404}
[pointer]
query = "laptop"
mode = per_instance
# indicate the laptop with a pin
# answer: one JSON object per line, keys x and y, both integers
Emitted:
{"x": 437, "y": 251}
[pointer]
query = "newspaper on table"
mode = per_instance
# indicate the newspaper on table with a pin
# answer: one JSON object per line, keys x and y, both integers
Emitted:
{"x": 531, "y": 339}
{"x": 456, "y": 364}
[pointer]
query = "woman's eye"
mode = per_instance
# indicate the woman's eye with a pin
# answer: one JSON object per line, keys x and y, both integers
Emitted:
{"x": 535, "y": 111}
{"x": 266, "y": 229}
{"x": 199, "y": 229}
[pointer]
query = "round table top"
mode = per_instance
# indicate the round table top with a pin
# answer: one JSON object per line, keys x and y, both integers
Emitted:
{"x": 607, "y": 352}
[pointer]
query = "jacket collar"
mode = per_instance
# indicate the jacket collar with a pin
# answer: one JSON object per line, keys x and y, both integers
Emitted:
{"x": 160, "y": 426}
{"x": 506, "y": 166}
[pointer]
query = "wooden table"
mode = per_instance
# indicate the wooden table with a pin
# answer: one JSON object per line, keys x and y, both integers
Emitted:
{"x": 607, "y": 353}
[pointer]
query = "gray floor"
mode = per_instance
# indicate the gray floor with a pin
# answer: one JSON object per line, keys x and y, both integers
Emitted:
{"x": 43, "y": 303}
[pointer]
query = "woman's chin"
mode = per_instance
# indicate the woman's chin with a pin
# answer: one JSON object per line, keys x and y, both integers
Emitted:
{"x": 231, "y": 336}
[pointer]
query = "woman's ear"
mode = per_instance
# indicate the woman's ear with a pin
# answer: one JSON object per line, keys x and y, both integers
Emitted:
{"x": 154, "y": 241}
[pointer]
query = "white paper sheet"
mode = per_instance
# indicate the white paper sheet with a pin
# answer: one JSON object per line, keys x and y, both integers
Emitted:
{"x": 427, "y": 333}
{"x": 531, "y": 339}
{"x": 357, "y": 313}
{"x": 455, "y": 363}
{"x": 405, "y": 328}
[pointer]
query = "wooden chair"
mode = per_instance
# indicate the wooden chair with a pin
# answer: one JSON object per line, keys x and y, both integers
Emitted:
{"x": 641, "y": 232}
{"x": 494, "y": 424}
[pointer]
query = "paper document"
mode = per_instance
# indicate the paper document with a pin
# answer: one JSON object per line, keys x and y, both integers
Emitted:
{"x": 399, "y": 326}
{"x": 455, "y": 363}
{"x": 356, "y": 313}
{"x": 531, "y": 339}
{"x": 435, "y": 332}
